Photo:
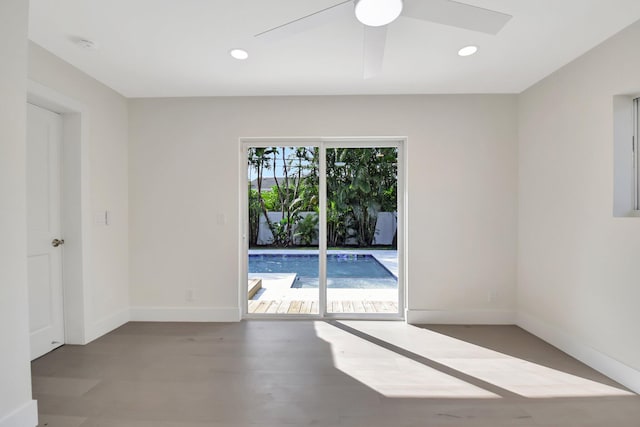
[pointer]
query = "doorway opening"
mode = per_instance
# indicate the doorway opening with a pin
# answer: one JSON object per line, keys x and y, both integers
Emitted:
{"x": 73, "y": 223}
{"x": 323, "y": 228}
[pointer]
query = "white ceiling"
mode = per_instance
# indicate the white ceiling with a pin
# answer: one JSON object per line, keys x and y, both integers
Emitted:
{"x": 158, "y": 48}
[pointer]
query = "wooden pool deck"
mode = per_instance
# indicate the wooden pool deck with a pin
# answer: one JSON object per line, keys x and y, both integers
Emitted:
{"x": 311, "y": 307}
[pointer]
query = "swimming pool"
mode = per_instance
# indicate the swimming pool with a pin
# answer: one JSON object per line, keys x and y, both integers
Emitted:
{"x": 354, "y": 271}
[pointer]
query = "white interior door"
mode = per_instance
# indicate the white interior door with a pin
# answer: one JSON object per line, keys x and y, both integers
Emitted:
{"x": 44, "y": 249}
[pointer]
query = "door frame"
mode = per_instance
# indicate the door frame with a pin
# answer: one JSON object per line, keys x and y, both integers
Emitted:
{"x": 75, "y": 206}
{"x": 323, "y": 143}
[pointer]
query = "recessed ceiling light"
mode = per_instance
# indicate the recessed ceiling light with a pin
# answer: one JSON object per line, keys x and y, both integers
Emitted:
{"x": 468, "y": 50}
{"x": 376, "y": 13}
{"x": 87, "y": 44}
{"x": 239, "y": 54}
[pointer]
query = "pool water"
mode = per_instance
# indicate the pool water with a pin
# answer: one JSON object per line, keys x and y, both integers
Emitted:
{"x": 354, "y": 271}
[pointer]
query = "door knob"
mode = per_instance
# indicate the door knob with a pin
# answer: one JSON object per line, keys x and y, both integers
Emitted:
{"x": 57, "y": 242}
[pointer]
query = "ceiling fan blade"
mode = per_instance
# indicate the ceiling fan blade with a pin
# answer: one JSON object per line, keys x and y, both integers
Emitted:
{"x": 455, "y": 14}
{"x": 305, "y": 23}
{"x": 375, "y": 39}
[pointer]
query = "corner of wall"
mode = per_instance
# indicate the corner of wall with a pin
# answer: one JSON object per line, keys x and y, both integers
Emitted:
{"x": 607, "y": 365}
{"x": 107, "y": 324}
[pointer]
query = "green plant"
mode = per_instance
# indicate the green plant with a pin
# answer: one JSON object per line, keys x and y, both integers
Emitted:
{"x": 287, "y": 165}
{"x": 306, "y": 229}
{"x": 254, "y": 216}
{"x": 336, "y": 223}
{"x": 271, "y": 199}
{"x": 361, "y": 182}
{"x": 279, "y": 231}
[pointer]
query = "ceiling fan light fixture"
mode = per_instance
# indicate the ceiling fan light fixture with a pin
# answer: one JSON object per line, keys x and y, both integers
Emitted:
{"x": 376, "y": 13}
{"x": 468, "y": 50}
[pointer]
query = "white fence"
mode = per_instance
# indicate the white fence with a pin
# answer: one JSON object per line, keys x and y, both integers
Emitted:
{"x": 386, "y": 225}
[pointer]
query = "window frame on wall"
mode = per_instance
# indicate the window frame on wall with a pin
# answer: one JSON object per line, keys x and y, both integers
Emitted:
{"x": 626, "y": 155}
{"x": 635, "y": 154}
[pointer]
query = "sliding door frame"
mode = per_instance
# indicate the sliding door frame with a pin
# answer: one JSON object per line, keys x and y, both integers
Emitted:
{"x": 323, "y": 143}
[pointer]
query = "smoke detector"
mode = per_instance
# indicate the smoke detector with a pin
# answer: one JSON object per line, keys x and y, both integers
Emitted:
{"x": 87, "y": 44}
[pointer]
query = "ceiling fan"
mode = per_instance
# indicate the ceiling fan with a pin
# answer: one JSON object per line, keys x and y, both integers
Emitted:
{"x": 377, "y": 14}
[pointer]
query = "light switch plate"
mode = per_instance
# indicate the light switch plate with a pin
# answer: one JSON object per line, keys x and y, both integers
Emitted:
{"x": 102, "y": 217}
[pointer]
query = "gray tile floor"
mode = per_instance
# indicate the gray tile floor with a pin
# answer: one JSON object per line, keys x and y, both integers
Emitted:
{"x": 305, "y": 373}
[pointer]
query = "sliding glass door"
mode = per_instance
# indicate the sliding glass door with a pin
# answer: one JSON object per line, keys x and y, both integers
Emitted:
{"x": 362, "y": 218}
{"x": 282, "y": 207}
{"x": 323, "y": 223}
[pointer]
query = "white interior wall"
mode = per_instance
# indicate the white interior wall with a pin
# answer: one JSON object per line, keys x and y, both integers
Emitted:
{"x": 579, "y": 266}
{"x": 462, "y": 177}
{"x": 16, "y": 406}
{"x": 106, "y": 117}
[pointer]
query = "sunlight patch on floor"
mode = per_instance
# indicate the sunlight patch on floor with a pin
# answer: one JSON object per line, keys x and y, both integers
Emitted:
{"x": 400, "y": 360}
{"x": 390, "y": 374}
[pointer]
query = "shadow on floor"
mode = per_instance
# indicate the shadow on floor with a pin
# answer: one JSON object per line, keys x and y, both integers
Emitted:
{"x": 338, "y": 374}
{"x": 516, "y": 342}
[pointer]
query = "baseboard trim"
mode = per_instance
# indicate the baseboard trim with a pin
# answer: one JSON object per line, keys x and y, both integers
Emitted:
{"x": 107, "y": 324}
{"x": 618, "y": 371}
{"x": 185, "y": 314}
{"x": 461, "y": 317}
{"x": 24, "y": 416}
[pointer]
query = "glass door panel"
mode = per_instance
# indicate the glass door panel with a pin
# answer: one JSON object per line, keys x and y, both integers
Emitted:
{"x": 361, "y": 212}
{"x": 283, "y": 267}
